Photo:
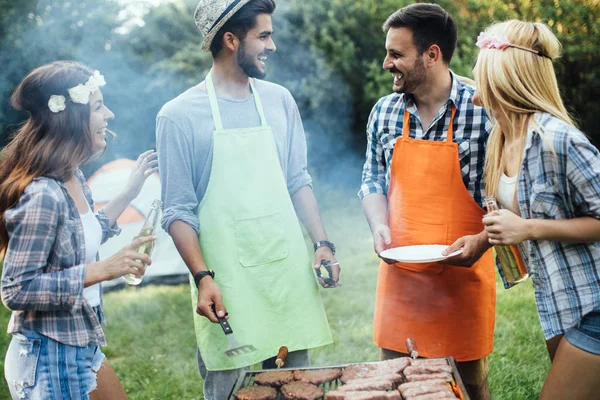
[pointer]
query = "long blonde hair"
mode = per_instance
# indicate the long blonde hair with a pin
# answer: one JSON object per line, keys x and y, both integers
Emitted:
{"x": 517, "y": 83}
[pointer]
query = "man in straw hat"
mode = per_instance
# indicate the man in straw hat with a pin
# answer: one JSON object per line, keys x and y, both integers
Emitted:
{"x": 232, "y": 156}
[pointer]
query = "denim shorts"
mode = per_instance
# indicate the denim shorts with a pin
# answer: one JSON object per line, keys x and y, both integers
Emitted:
{"x": 37, "y": 367}
{"x": 586, "y": 335}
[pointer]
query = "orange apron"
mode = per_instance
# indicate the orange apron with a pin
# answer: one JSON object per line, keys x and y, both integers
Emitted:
{"x": 448, "y": 310}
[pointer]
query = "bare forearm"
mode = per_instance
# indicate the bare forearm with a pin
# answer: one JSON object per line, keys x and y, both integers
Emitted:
{"x": 375, "y": 207}
{"x": 307, "y": 210}
{"x": 186, "y": 242}
{"x": 576, "y": 230}
{"x": 116, "y": 206}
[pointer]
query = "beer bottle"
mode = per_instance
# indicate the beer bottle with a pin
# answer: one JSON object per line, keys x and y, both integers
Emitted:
{"x": 509, "y": 257}
{"x": 149, "y": 229}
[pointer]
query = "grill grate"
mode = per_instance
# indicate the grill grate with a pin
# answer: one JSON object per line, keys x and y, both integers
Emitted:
{"x": 247, "y": 379}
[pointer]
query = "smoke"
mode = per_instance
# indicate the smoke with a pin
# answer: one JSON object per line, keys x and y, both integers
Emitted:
{"x": 149, "y": 62}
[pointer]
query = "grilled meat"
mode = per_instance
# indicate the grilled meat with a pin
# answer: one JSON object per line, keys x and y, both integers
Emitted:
{"x": 372, "y": 370}
{"x": 383, "y": 382}
{"x": 446, "y": 377}
{"x": 274, "y": 378}
{"x": 408, "y": 385}
{"x": 317, "y": 376}
{"x": 396, "y": 365}
{"x": 424, "y": 389}
{"x": 433, "y": 396}
{"x": 356, "y": 371}
{"x": 256, "y": 393}
{"x": 301, "y": 391}
{"x": 427, "y": 369}
{"x": 363, "y": 395}
{"x": 430, "y": 361}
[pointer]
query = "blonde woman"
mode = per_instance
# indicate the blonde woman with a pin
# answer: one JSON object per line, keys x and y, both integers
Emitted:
{"x": 546, "y": 175}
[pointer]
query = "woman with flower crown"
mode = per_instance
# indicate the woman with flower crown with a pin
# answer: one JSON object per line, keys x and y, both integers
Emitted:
{"x": 49, "y": 237}
{"x": 546, "y": 176}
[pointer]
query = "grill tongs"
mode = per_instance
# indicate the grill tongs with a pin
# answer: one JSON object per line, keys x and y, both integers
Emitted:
{"x": 235, "y": 348}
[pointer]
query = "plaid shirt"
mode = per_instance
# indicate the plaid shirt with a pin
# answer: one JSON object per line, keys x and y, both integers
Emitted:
{"x": 471, "y": 130}
{"x": 560, "y": 179}
{"x": 43, "y": 274}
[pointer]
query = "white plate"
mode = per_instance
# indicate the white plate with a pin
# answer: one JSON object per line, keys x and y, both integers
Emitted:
{"x": 418, "y": 254}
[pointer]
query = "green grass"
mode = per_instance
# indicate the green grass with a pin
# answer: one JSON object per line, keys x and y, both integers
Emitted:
{"x": 152, "y": 346}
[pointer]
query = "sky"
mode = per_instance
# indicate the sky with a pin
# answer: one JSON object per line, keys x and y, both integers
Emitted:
{"x": 134, "y": 11}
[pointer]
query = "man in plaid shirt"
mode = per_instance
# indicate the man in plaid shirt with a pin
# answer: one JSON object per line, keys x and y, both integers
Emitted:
{"x": 422, "y": 183}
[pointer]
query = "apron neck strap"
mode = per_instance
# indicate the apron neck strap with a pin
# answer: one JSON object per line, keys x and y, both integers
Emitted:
{"x": 214, "y": 104}
{"x": 406, "y": 124}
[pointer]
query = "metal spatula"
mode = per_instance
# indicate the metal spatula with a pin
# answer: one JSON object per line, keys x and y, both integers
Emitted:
{"x": 235, "y": 347}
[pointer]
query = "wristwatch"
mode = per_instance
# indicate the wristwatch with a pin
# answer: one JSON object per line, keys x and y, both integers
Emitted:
{"x": 201, "y": 274}
{"x": 327, "y": 243}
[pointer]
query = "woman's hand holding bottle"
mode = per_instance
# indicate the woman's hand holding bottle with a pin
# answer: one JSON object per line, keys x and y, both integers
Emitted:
{"x": 125, "y": 261}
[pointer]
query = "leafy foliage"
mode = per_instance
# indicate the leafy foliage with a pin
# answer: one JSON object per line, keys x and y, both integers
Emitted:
{"x": 329, "y": 56}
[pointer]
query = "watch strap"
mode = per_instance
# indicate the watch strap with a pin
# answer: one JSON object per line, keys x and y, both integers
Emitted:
{"x": 201, "y": 274}
{"x": 327, "y": 243}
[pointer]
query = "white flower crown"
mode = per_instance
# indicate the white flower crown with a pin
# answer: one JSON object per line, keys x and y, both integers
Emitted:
{"x": 78, "y": 94}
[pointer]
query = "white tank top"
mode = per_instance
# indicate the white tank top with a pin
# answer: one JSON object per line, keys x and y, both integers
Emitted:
{"x": 92, "y": 232}
{"x": 506, "y": 192}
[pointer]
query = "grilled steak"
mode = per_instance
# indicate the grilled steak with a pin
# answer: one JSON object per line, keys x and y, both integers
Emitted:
{"x": 363, "y": 395}
{"x": 430, "y": 361}
{"x": 396, "y": 365}
{"x": 383, "y": 382}
{"x": 427, "y": 369}
{"x": 256, "y": 393}
{"x": 425, "y": 377}
{"x": 317, "y": 376}
{"x": 367, "y": 384}
{"x": 408, "y": 385}
{"x": 372, "y": 370}
{"x": 356, "y": 371}
{"x": 274, "y": 378}
{"x": 301, "y": 391}
{"x": 424, "y": 389}
{"x": 433, "y": 396}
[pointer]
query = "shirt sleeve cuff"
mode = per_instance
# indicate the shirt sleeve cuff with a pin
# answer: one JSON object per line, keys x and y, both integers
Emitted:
{"x": 107, "y": 230}
{"x": 73, "y": 286}
{"x": 367, "y": 189}
{"x": 189, "y": 219}
{"x": 298, "y": 183}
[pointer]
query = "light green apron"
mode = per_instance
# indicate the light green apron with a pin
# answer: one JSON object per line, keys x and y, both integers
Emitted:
{"x": 251, "y": 238}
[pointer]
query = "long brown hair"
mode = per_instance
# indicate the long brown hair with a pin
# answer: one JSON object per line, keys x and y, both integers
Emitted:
{"x": 47, "y": 144}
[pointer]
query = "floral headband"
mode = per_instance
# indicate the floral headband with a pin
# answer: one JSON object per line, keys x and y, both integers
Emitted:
{"x": 78, "y": 94}
{"x": 487, "y": 41}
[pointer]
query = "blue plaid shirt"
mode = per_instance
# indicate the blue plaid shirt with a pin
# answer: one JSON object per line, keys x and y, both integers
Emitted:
{"x": 471, "y": 131}
{"x": 43, "y": 273}
{"x": 560, "y": 179}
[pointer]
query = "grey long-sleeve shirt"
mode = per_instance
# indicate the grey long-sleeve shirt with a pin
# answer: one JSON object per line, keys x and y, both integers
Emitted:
{"x": 184, "y": 140}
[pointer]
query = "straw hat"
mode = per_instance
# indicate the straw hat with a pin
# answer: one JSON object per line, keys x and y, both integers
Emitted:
{"x": 211, "y": 15}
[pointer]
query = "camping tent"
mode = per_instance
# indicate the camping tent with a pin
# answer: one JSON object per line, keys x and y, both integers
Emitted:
{"x": 167, "y": 266}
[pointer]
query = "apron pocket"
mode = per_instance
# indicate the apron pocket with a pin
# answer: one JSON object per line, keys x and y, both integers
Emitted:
{"x": 260, "y": 240}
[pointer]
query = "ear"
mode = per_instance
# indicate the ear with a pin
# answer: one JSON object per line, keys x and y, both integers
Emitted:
{"x": 231, "y": 41}
{"x": 432, "y": 56}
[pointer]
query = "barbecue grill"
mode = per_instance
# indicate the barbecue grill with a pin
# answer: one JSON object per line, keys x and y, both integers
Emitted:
{"x": 247, "y": 379}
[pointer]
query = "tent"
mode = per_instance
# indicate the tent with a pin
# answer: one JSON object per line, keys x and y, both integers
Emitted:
{"x": 167, "y": 266}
